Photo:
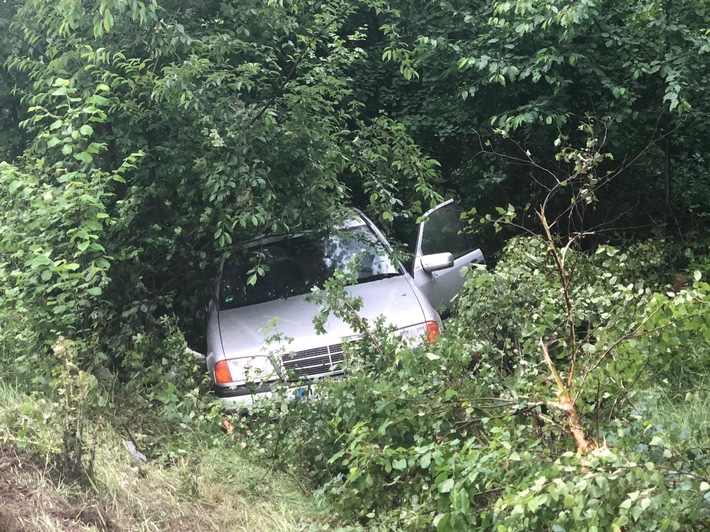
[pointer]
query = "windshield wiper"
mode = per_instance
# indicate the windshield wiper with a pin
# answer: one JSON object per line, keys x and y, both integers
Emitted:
{"x": 378, "y": 277}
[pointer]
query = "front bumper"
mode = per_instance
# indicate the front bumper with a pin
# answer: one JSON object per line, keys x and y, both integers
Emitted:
{"x": 241, "y": 398}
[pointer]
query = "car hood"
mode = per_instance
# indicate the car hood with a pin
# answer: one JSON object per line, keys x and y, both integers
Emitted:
{"x": 288, "y": 323}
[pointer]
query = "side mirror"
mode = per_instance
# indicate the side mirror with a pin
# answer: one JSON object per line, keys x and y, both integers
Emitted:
{"x": 437, "y": 261}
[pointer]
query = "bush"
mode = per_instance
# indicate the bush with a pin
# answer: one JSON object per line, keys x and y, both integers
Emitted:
{"x": 475, "y": 431}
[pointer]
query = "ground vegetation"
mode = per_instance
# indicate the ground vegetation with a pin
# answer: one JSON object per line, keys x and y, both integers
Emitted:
{"x": 144, "y": 141}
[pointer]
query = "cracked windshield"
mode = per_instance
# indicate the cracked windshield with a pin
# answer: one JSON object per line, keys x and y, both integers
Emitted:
{"x": 299, "y": 263}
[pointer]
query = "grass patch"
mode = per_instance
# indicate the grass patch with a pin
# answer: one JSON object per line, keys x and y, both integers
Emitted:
{"x": 215, "y": 488}
{"x": 205, "y": 485}
{"x": 684, "y": 411}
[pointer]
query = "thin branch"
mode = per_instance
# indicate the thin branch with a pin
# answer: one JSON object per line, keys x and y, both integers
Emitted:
{"x": 614, "y": 345}
{"x": 281, "y": 89}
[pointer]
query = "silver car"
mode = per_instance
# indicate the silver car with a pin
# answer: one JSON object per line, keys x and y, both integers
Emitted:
{"x": 261, "y": 333}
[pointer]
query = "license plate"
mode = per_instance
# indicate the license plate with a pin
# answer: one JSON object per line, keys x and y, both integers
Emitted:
{"x": 302, "y": 393}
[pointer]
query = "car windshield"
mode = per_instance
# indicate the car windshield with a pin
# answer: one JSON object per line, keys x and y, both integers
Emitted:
{"x": 298, "y": 263}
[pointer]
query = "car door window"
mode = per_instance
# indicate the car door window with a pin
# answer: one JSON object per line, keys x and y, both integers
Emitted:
{"x": 443, "y": 233}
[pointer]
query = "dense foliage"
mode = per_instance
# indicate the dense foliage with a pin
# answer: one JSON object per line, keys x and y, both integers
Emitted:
{"x": 141, "y": 142}
{"x": 538, "y": 68}
{"x": 473, "y": 433}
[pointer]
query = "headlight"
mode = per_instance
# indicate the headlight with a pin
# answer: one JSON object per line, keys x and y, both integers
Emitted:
{"x": 243, "y": 370}
{"x": 414, "y": 335}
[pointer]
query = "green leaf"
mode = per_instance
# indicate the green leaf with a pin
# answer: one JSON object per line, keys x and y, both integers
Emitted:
{"x": 98, "y": 100}
{"x": 446, "y": 485}
{"x": 84, "y": 157}
{"x": 589, "y": 349}
{"x": 107, "y": 21}
{"x": 425, "y": 461}
{"x": 532, "y": 504}
{"x": 462, "y": 502}
{"x": 399, "y": 464}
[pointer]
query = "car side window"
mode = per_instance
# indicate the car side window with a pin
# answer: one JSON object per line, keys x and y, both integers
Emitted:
{"x": 443, "y": 233}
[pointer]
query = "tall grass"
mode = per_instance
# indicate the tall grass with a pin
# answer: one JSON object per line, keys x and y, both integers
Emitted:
{"x": 684, "y": 411}
{"x": 208, "y": 485}
{"x": 215, "y": 488}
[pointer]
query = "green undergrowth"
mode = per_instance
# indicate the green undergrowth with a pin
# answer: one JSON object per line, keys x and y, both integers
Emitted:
{"x": 198, "y": 481}
{"x": 528, "y": 413}
{"x": 149, "y": 453}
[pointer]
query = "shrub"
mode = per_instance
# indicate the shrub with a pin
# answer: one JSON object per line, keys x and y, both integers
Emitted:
{"x": 483, "y": 428}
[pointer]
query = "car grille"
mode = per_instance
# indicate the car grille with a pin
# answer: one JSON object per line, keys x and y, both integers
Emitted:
{"x": 325, "y": 360}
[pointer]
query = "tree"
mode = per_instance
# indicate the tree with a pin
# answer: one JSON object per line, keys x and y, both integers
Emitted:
{"x": 167, "y": 134}
{"x": 12, "y": 138}
{"x": 539, "y": 68}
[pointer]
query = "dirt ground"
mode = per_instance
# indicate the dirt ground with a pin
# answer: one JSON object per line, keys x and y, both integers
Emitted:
{"x": 26, "y": 507}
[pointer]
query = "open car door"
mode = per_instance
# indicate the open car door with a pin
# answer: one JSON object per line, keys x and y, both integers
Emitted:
{"x": 443, "y": 249}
